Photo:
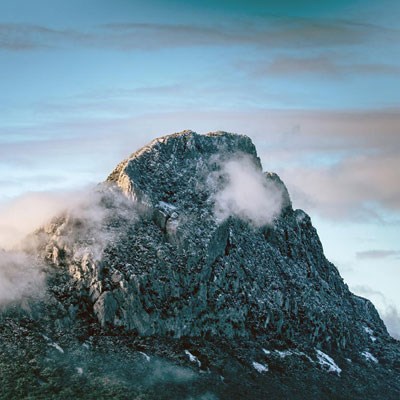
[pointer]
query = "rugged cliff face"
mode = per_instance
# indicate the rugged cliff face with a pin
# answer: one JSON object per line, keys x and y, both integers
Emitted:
{"x": 190, "y": 248}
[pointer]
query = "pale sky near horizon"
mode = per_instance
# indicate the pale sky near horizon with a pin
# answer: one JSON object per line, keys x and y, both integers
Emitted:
{"x": 315, "y": 84}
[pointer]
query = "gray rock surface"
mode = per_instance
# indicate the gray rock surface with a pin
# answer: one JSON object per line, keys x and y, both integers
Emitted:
{"x": 180, "y": 271}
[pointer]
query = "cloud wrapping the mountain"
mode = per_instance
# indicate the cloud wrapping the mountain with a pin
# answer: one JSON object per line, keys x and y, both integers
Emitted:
{"x": 22, "y": 215}
{"x": 244, "y": 192}
{"x": 86, "y": 215}
{"x": 20, "y": 277}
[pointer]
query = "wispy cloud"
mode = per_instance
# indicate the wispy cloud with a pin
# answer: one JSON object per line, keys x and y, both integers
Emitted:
{"x": 20, "y": 277}
{"x": 321, "y": 66}
{"x": 22, "y": 215}
{"x": 26, "y": 37}
{"x": 364, "y": 290}
{"x": 336, "y": 163}
{"x": 265, "y": 32}
{"x": 242, "y": 190}
{"x": 377, "y": 254}
{"x": 352, "y": 188}
{"x": 387, "y": 311}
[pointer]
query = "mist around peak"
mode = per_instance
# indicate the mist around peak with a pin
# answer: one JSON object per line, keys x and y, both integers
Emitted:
{"x": 85, "y": 220}
{"x": 245, "y": 192}
{"x": 21, "y": 277}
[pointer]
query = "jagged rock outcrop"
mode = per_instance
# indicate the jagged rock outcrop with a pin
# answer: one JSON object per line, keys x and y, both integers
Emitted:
{"x": 189, "y": 240}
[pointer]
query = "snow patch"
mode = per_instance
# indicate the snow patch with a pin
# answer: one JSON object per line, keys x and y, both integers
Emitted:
{"x": 145, "y": 356}
{"x": 369, "y": 357}
{"x": 56, "y": 346}
{"x": 193, "y": 358}
{"x": 79, "y": 370}
{"x": 53, "y": 344}
{"x": 327, "y": 362}
{"x": 284, "y": 353}
{"x": 266, "y": 351}
{"x": 370, "y": 332}
{"x": 260, "y": 367}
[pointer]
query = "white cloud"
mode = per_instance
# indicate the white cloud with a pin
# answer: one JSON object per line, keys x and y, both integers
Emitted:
{"x": 87, "y": 215}
{"x": 20, "y": 277}
{"x": 24, "y": 214}
{"x": 245, "y": 192}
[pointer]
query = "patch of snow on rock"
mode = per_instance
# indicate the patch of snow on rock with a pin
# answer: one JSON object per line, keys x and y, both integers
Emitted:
{"x": 266, "y": 351}
{"x": 145, "y": 356}
{"x": 284, "y": 353}
{"x": 369, "y": 357}
{"x": 193, "y": 358}
{"x": 53, "y": 344}
{"x": 370, "y": 332}
{"x": 57, "y": 347}
{"x": 327, "y": 362}
{"x": 260, "y": 367}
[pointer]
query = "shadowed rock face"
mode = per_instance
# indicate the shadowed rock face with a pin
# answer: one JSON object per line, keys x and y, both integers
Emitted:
{"x": 189, "y": 243}
{"x": 179, "y": 270}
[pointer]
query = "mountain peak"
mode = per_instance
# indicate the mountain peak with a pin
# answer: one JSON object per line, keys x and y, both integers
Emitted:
{"x": 240, "y": 246}
{"x": 171, "y": 155}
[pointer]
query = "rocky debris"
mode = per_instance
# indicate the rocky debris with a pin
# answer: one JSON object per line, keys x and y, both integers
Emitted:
{"x": 149, "y": 256}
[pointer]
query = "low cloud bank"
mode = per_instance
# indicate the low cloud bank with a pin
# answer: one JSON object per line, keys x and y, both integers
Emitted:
{"x": 22, "y": 215}
{"x": 20, "y": 277}
{"x": 87, "y": 224}
{"x": 96, "y": 221}
{"x": 245, "y": 192}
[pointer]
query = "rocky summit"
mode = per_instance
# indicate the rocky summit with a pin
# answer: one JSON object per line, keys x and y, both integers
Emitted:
{"x": 187, "y": 274}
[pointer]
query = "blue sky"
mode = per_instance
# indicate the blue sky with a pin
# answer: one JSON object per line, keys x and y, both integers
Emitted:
{"x": 314, "y": 84}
